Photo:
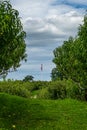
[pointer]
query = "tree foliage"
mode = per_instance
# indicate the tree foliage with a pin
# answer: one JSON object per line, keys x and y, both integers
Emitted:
{"x": 12, "y": 43}
{"x": 28, "y": 78}
{"x": 55, "y": 75}
{"x": 71, "y": 57}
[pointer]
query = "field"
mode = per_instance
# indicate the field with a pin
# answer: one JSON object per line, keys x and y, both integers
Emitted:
{"x": 33, "y": 114}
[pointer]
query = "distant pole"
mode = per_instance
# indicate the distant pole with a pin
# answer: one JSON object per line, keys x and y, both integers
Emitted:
{"x": 41, "y": 67}
{"x": 41, "y": 71}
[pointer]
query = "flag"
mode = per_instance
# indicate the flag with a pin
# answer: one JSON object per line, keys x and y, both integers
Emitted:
{"x": 41, "y": 67}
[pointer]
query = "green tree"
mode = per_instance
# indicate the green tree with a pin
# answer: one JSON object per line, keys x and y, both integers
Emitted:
{"x": 71, "y": 57}
{"x": 63, "y": 58}
{"x": 28, "y": 78}
{"x": 12, "y": 43}
{"x": 81, "y": 54}
{"x": 55, "y": 75}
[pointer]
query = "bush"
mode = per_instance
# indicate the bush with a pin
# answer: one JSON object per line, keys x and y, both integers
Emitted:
{"x": 74, "y": 90}
{"x": 46, "y": 90}
{"x": 36, "y": 85}
{"x": 44, "y": 94}
{"x": 14, "y": 88}
{"x": 57, "y": 90}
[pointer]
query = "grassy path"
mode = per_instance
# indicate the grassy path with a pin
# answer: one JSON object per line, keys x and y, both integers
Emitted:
{"x": 32, "y": 114}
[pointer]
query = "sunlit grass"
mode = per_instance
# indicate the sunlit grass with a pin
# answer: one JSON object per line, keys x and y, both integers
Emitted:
{"x": 33, "y": 114}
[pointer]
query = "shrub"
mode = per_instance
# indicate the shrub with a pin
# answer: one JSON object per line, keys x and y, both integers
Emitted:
{"x": 46, "y": 90}
{"x": 36, "y": 85}
{"x": 14, "y": 88}
{"x": 57, "y": 89}
{"x": 44, "y": 94}
{"x": 74, "y": 90}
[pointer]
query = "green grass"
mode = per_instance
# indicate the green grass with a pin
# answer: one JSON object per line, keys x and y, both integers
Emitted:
{"x": 34, "y": 114}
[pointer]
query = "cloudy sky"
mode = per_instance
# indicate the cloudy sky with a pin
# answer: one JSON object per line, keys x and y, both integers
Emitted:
{"x": 47, "y": 24}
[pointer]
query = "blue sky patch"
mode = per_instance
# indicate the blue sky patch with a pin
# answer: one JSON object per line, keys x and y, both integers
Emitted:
{"x": 65, "y": 2}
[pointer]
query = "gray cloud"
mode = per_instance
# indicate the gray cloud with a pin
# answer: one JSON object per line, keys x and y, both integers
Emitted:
{"x": 52, "y": 28}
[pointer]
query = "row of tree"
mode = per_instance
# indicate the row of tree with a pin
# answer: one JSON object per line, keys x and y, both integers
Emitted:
{"x": 71, "y": 58}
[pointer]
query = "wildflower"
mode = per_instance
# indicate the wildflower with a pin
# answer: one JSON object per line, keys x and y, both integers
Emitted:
{"x": 13, "y": 126}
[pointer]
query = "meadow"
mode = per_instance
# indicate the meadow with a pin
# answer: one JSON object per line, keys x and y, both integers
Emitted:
{"x": 42, "y": 105}
{"x": 35, "y": 114}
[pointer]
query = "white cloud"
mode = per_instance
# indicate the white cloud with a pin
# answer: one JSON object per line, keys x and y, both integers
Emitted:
{"x": 32, "y": 8}
{"x": 53, "y": 27}
{"x": 42, "y": 20}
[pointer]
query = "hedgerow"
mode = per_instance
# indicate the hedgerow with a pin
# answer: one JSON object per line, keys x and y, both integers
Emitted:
{"x": 44, "y": 90}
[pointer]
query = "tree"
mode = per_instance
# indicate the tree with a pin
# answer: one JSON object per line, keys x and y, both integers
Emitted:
{"x": 28, "y": 78}
{"x": 12, "y": 43}
{"x": 63, "y": 59}
{"x": 55, "y": 75}
{"x": 82, "y": 51}
{"x": 71, "y": 57}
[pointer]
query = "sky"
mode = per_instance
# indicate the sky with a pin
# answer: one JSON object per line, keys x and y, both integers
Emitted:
{"x": 47, "y": 24}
